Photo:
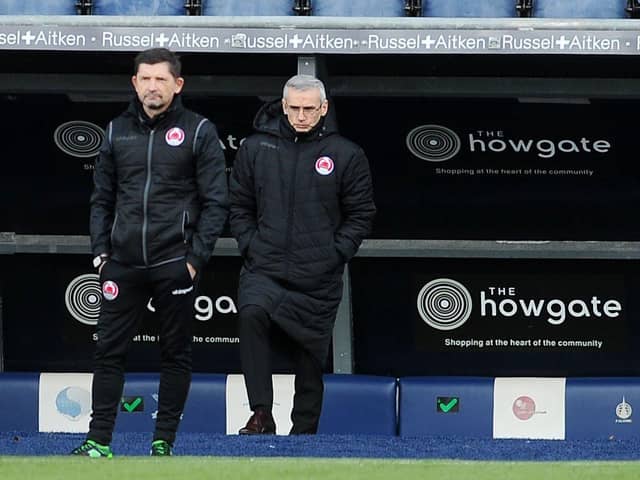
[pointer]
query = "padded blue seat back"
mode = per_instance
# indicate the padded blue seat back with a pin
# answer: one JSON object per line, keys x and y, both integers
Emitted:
{"x": 203, "y": 412}
{"x": 467, "y": 401}
{"x": 138, "y": 7}
{"x": 37, "y": 7}
{"x": 260, "y": 8}
{"x": 358, "y": 8}
{"x": 601, "y": 408}
{"x": 358, "y": 404}
{"x": 475, "y": 8}
{"x": 19, "y": 402}
{"x": 581, "y": 9}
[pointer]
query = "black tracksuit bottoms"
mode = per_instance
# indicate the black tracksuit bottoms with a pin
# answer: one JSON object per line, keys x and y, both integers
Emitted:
{"x": 126, "y": 293}
{"x": 258, "y": 334}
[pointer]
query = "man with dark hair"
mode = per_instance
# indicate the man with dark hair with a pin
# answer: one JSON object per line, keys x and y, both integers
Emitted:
{"x": 301, "y": 204}
{"x": 158, "y": 206}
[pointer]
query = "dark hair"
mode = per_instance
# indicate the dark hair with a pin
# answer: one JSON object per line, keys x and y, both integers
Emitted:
{"x": 158, "y": 55}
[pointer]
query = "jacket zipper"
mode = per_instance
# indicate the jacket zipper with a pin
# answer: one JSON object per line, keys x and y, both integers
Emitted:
{"x": 292, "y": 198}
{"x": 145, "y": 200}
{"x": 185, "y": 220}
{"x": 113, "y": 228}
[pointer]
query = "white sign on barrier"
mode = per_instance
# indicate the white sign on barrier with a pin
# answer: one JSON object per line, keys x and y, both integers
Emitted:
{"x": 529, "y": 408}
{"x": 64, "y": 402}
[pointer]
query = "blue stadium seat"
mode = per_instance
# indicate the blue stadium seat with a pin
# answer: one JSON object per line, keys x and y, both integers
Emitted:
{"x": 358, "y": 404}
{"x": 601, "y": 408}
{"x": 19, "y": 402}
{"x": 233, "y": 8}
{"x": 358, "y": 8}
{"x": 138, "y": 7}
{"x": 467, "y": 407}
{"x": 581, "y": 9}
{"x": 474, "y": 8}
{"x": 204, "y": 411}
{"x": 38, "y": 7}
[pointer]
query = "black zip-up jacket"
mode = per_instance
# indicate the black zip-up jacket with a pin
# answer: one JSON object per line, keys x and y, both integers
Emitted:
{"x": 301, "y": 203}
{"x": 160, "y": 188}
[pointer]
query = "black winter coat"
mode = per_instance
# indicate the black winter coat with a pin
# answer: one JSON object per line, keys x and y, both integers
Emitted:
{"x": 160, "y": 188}
{"x": 301, "y": 205}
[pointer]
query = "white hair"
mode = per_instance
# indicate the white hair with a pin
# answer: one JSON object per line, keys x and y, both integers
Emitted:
{"x": 304, "y": 82}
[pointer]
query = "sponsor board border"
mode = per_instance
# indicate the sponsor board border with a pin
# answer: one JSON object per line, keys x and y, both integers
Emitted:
{"x": 311, "y": 35}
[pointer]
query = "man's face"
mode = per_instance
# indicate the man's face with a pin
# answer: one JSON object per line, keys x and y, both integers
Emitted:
{"x": 156, "y": 87}
{"x": 303, "y": 108}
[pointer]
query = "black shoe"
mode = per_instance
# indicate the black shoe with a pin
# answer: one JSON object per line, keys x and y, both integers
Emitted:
{"x": 261, "y": 422}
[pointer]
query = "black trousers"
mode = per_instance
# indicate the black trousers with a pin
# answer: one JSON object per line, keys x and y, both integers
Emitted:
{"x": 258, "y": 334}
{"x": 173, "y": 294}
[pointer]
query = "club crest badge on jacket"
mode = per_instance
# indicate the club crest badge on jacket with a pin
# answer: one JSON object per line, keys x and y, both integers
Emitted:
{"x": 110, "y": 290}
{"x": 324, "y": 165}
{"x": 174, "y": 136}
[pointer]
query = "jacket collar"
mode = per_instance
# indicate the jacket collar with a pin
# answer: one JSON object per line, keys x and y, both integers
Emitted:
{"x": 135, "y": 109}
{"x": 287, "y": 131}
{"x": 270, "y": 119}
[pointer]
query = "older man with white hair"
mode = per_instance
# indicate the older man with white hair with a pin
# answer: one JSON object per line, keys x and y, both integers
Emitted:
{"x": 301, "y": 204}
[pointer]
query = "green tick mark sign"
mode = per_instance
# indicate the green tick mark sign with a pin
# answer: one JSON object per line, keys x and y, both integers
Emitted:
{"x": 447, "y": 404}
{"x": 132, "y": 404}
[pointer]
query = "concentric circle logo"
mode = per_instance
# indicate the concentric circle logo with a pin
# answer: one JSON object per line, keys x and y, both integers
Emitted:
{"x": 83, "y": 297}
{"x": 444, "y": 304}
{"x": 433, "y": 143}
{"x": 79, "y": 138}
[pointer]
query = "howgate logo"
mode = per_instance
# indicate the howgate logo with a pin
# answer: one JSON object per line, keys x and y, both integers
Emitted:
{"x": 446, "y": 304}
{"x": 436, "y": 143}
{"x": 83, "y": 298}
{"x": 79, "y": 138}
{"x": 433, "y": 143}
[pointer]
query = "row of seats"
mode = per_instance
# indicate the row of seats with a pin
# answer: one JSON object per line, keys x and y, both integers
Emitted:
{"x": 340, "y": 8}
{"x": 475, "y": 407}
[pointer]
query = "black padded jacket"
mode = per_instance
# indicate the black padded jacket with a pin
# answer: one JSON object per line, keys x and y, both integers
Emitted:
{"x": 301, "y": 204}
{"x": 160, "y": 188}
